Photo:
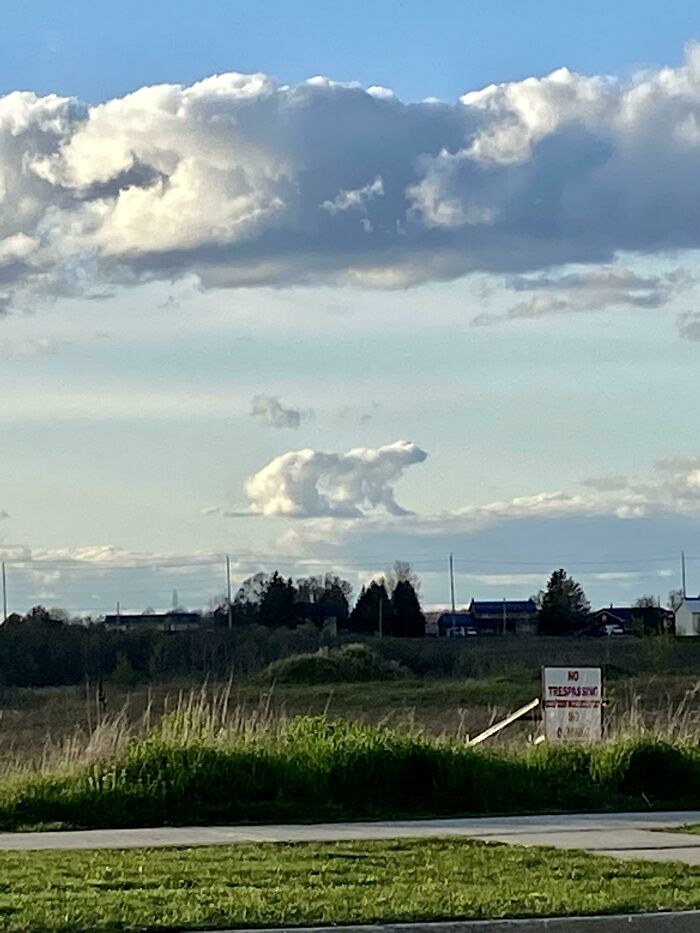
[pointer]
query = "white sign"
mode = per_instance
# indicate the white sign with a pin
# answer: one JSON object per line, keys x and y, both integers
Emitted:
{"x": 572, "y": 700}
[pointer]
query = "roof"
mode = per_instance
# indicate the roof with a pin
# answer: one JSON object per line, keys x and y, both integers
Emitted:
{"x": 623, "y": 613}
{"x": 691, "y": 603}
{"x": 127, "y": 618}
{"x": 499, "y": 606}
{"x": 459, "y": 617}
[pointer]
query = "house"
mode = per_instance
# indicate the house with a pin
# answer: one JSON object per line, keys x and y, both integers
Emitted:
{"x": 499, "y": 617}
{"x": 456, "y": 624}
{"x": 628, "y": 620}
{"x": 688, "y": 617}
{"x": 174, "y": 621}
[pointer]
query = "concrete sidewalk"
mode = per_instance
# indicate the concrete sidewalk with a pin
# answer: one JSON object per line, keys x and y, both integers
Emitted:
{"x": 622, "y": 835}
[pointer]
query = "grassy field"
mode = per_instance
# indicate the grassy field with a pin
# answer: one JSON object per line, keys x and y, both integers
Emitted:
{"x": 261, "y": 751}
{"x": 453, "y": 687}
{"x": 287, "y": 885}
{"x": 210, "y": 764}
{"x": 44, "y": 724}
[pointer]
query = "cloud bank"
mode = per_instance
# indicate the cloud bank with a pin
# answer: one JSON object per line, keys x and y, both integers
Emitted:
{"x": 239, "y": 180}
{"x": 669, "y": 497}
{"x": 313, "y": 484}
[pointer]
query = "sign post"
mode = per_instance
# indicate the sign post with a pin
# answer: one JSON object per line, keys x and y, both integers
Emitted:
{"x": 572, "y": 703}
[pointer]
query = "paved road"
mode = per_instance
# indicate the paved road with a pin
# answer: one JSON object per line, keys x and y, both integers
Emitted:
{"x": 624, "y": 835}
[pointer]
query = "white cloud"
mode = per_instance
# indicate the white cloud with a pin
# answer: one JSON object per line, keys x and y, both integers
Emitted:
{"x": 310, "y": 483}
{"x": 238, "y": 180}
{"x": 272, "y": 412}
{"x": 357, "y": 198}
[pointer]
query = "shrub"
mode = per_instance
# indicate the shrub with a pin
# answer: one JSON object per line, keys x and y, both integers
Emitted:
{"x": 350, "y": 663}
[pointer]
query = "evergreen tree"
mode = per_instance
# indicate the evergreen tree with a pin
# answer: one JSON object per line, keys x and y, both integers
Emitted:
{"x": 563, "y": 605}
{"x": 334, "y": 600}
{"x": 277, "y": 604}
{"x": 408, "y": 620}
{"x": 373, "y": 607}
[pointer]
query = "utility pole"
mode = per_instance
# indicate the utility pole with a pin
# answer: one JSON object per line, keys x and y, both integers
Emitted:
{"x": 505, "y": 617}
{"x": 229, "y": 611}
{"x": 4, "y": 593}
{"x": 452, "y": 585}
{"x": 683, "y": 574}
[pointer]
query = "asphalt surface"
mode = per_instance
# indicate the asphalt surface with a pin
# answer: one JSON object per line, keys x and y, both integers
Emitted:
{"x": 622, "y": 835}
{"x": 686, "y": 922}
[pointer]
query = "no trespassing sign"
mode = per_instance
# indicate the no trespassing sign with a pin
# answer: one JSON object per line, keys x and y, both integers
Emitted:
{"x": 572, "y": 702}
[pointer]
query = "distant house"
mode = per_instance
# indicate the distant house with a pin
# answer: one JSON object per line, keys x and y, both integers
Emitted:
{"x": 627, "y": 620}
{"x": 177, "y": 621}
{"x": 498, "y": 617}
{"x": 688, "y": 617}
{"x": 455, "y": 624}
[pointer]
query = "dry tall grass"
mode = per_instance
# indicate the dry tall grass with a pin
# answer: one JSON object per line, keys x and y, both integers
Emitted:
{"x": 213, "y": 716}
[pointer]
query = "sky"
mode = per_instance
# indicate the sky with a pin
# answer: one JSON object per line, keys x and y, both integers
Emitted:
{"x": 324, "y": 286}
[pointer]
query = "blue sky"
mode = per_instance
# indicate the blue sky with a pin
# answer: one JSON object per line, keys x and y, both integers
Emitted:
{"x": 99, "y": 50}
{"x": 309, "y": 326}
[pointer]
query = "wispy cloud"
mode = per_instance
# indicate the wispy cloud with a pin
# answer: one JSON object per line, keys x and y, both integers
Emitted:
{"x": 688, "y": 323}
{"x": 31, "y": 348}
{"x": 591, "y": 290}
{"x": 355, "y": 198}
{"x": 273, "y": 413}
{"x": 611, "y": 482}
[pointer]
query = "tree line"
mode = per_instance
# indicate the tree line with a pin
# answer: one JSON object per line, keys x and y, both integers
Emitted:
{"x": 388, "y": 605}
{"x": 272, "y": 617}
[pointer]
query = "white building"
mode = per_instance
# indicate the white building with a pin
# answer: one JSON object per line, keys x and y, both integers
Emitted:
{"x": 688, "y": 617}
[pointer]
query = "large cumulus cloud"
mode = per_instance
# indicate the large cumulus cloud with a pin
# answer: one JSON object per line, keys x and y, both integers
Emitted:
{"x": 241, "y": 180}
{"x": 313, "y": 484}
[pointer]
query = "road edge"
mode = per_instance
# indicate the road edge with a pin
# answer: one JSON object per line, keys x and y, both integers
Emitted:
{"x": 663, "y": 922}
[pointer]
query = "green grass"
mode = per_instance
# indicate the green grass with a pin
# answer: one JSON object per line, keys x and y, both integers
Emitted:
{"x": 438, "y": 706}
{"x": 308, "y": 769}
{"x": 457, "y": 707}
{"x": 287, "y": 885}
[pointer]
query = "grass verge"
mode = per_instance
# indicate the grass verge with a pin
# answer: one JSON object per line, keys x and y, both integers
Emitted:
{"x": 287, "y": 885}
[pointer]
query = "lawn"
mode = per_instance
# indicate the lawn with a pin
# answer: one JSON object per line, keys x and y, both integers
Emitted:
{"x": 259, "y": 885}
